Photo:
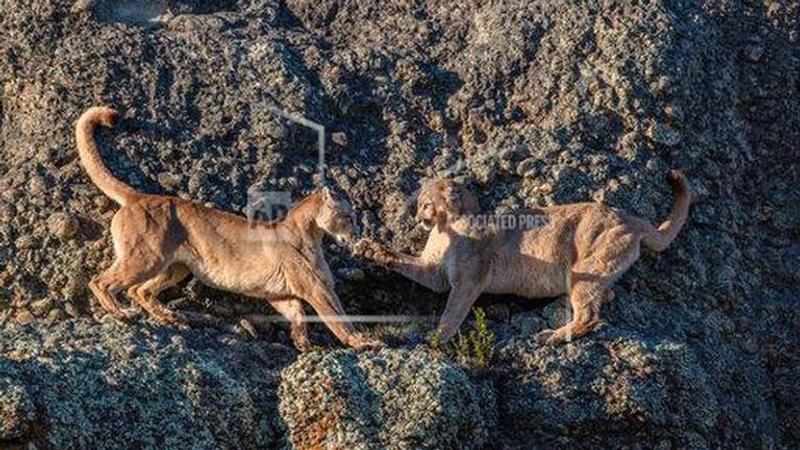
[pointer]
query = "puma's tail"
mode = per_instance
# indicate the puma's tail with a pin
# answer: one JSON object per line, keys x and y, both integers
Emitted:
{"x": 90, "y": 155}
{"x": 659, "y": 239}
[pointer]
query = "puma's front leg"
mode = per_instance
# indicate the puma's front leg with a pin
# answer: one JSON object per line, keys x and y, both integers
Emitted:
{"x": 467, "y": 285}
{"x": 292, "y": 310}
{"x": 428, "y": 274}
{"x": 327, "y": 305}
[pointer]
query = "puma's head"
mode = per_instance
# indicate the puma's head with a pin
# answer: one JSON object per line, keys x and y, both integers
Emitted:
{"x": 336, "y": 217}
{"x": 442, "y": 201}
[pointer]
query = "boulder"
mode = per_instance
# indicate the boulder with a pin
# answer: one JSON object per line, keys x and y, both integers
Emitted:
{"x": 386, "y": 399}
{"x": 80, "y": 384}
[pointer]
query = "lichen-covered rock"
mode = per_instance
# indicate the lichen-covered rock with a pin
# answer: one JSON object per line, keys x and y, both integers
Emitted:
{"x": 387, "y": 399}
{"x": 82, "y": 385}
{"x": 16, "y": 408}
{"x": 616, "y": 391}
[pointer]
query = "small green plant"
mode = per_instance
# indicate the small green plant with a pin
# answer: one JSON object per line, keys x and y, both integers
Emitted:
{"x": 433, "y": 341}
{"x": 482, "y": 339}
{"x": 475, "y": 348}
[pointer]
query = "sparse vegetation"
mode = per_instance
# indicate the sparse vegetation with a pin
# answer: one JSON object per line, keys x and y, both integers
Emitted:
{"x": 474, "y": 349}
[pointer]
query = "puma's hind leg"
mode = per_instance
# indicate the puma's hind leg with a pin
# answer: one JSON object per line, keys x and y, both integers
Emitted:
{"x": 146, "y": 294}
{"x": 139, "y": 235}
{"x": 585, "y": 300}
{"x": 120, "y": 276}
{"x": 590, "y": 281}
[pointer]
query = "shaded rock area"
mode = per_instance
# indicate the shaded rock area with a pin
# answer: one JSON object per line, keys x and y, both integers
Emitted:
{"x": 623, "y": 391}
{"x": 532, "y": 103}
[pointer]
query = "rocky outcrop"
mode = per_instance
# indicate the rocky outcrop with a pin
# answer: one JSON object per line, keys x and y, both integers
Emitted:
{"x": 79, "y": 384}
{"x": 532, "y": 103}
{"x": 390, "y": 399}
{"x": 620, "y": 391}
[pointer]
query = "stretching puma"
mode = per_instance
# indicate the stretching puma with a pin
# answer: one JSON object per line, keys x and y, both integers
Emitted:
{"x": 159, "y": 240}
{"x": 581, "y": 249}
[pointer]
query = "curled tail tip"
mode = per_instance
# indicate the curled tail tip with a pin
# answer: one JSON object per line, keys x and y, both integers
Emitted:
{"x": 102, "y": 115}
{"x": 675, "y": 176}
{"x": 677, "y": 179}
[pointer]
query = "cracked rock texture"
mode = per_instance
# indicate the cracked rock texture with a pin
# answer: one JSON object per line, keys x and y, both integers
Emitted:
{"x": 531, "y": 103}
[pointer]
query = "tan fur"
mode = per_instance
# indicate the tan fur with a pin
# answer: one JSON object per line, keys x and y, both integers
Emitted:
{"x": 579, "y": 249}
{"x": 159, "y": 240}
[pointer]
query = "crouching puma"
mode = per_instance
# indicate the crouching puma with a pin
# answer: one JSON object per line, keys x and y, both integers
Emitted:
{"x": 159, "y": 240}
{"x": 578, "y": 249}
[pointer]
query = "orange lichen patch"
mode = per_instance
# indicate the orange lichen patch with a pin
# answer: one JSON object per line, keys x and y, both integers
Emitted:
{"x": 312, "y": 430}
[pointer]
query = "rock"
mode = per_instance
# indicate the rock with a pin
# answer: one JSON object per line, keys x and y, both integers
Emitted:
{"x": 498, "y": 312}
{"x": 557, "y": 313}
{"x": 55, "y": 315}
{"x": 586, "y": 92}
{"x": 351, "y": 274}
{"x": 391, "y": 399}
{"x": 7, "y": 212}
{"x": 527, "y": 323}
{"x": 24, "y": 317}
{"x": 102, "y": 202}
{"x": 178, "y": 303}
{"x": 222, "y": 309}
{"x": 70, "y": 309}
{"x": 675, "y": 113}
{"x": 169, "y": 181}
{"x": 249, "y": 328}
{"x": 82, "y": 5}
{"x": 527, "y": 168}
{"x": 754, "y": 52}
{"x": 63, "y": 225}
{"x": 339, "y": 138}
{"x": 16, "y": 408}
{"x": 37, "y": 186}
{"x": 24, "y": 242}
{"x": 112, "y": 383}
{"x": 41, "y": 307}
{"x": 77, "y": 284}
{"x": 590, "y": 392}
{"x": 664, "y": 134}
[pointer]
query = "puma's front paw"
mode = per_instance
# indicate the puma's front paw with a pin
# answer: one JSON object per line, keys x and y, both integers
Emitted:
{"x": 302, "y": 345}
{"x": 545, "y": 337}
{"x": 359, "y": 341}
{"x": 369, "y": 249}
{"x": 128, "y": 314}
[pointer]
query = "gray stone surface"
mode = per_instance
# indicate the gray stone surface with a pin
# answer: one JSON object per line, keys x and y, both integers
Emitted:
{"x": 79, "y": 384}
{"x": 547, "y": 102}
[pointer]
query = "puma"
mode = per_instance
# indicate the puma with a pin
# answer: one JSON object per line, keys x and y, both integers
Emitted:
{"x": 579, "y": 250}
{"x": 160, "y": 240}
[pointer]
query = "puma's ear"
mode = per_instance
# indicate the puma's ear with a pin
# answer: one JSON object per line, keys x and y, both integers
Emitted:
{"x": 452, "y": 200}
{"x": 469, "y": 203}
{"x": 459, "y": 200}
